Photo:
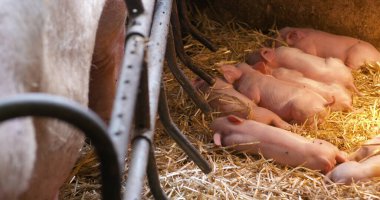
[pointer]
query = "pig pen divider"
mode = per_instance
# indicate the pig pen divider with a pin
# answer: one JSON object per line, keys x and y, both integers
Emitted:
{"x": 140, "y": 96}
{"x": 149, "y": 85}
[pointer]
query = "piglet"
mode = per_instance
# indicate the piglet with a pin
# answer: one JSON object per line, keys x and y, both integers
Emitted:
{"x": 353, "y": 52}
{"x": 353, "y": 171}
{"x": 329, "y": 70}
{"x": 368, "y": 149}
{"x": 330, "y": 92}
{"x": 288, "y": 100}
{"x": 282, "y": 146}
{"x": 224, "y": 99}
{"x": 364, "y": 164}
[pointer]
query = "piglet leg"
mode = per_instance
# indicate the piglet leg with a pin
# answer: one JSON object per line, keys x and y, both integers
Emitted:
{"x": 266, "y": 116}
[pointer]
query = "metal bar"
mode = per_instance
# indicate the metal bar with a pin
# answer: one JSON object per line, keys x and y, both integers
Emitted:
{"x": 181, "y": 78}
{"x": 155, "y": 58}
{"x": 181, "y": 50}
{"x": 137, "y": 168}
{"x": 141, "y": 23}
{"x": 155, "y": 54}
{"x": 186, "y": 24}
{"x": 141, "y": 143}
{"x": 128, "y": 82}
{"x": 153, "y": 178}
{"x": 176, "y": 134}
{"x": 125, "y": 100}
{"x": 44, "y": 105}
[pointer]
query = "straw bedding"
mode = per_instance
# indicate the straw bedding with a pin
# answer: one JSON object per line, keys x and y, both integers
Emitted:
{"x": 236, "y": 175}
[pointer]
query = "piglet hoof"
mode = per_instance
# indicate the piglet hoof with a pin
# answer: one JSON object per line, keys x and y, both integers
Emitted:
{"x": 360, "y": 94}
{"x": 283, "y": 125}
{"x": 218, "y": 139}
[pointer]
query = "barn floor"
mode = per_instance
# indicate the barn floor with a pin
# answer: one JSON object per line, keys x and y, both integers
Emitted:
{"x": 236, "y": 175}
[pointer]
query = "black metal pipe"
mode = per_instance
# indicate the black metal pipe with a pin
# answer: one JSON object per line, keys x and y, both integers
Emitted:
{"x": 44, "y": 105}
{"x": 153, "y": 178}
{"x": 177, "y": 35}
{"x": 176, "y": 134}
{"x": 181, "y": 78}
{"x": 142, "y": 110}
{"x": 186, "y": 24}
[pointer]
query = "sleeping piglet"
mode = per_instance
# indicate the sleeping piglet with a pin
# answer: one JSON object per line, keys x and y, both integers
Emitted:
{"x": 288, "y": 100}
{"x": 329, "y": 70}
{"x": 368, "y": 149}
{"x": 364, "y": 164}
{"x": 224, "y": 99}
{"x": 282, "y": 146}
{"x": 353, "y": 52}
{"x": 343, "y": 99}
{"x": 353, "y": 171}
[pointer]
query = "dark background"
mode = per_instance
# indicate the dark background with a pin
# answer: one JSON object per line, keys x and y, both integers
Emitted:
{"x": 355, "y": 18}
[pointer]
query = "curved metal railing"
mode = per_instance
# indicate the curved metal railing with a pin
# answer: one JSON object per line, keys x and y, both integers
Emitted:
{"x": 44, "y": 105}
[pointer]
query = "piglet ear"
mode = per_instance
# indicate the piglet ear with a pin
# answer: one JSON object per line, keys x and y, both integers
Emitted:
{"x": 267, "y": 54}
{"x": 253, "y": 57}
{"x": 197, "y": 82}
{"x": 218, "y": 139}
{"x": 341, "y": 157}
{"x": 293, "y": 36}
{"x": 234, "y": 120}
{"x": 263, "y": 68}
{"x": 230, "y": 73}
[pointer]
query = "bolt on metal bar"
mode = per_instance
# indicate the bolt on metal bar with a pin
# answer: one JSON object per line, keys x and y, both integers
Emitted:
{"x": 186, "y": 24}
{"x": 128, "y": 82}
{"x": 44, "y": 105}
{"x": 176, "y": 134}
{"x": 134, "y": 7}
{"x": 181, "y": 50}
{"x": 142, "y": 23}
{"x": 181, "y": 78}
